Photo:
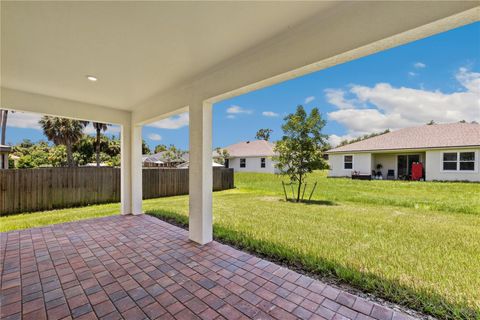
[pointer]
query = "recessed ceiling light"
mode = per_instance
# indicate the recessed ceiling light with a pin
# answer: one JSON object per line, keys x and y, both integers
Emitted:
{"x": 92, "y": 78}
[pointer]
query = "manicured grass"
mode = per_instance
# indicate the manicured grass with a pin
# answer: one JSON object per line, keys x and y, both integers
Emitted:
{"x": 44, "y": 218}
{"x": 414, "y": 251}
{"x": 439, "y": 196}
{"x": 414, "y": 243}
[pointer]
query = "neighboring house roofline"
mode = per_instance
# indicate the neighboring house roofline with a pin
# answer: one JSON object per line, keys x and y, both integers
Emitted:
{"x": 436, "y": 136}
{"x": 5, "y": 148}
{"x": 247, "y": 149}
{"x": 404, "y": 149}
{"x": 251, "y": 156}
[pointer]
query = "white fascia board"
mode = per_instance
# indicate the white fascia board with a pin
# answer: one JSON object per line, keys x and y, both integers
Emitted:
{"x": 47, "y": 105}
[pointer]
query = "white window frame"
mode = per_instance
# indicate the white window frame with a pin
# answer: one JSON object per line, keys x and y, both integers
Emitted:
{"x": 343, "y": 160}
{"x": 475, "y": 161}
{"x": 263, "y": 163}
{"x": 240, "y": 163}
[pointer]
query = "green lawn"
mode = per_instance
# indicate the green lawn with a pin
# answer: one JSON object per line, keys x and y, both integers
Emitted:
{"x": 414, "y": 243}
{"x": 38, "y": 219}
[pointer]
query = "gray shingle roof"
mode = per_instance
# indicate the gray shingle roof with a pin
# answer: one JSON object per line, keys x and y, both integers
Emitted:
{"x": 424, "y": 137}
{"x": 256, "y": 148}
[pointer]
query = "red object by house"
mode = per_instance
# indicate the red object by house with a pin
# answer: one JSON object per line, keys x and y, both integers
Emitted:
{"x": 417, "y": 171}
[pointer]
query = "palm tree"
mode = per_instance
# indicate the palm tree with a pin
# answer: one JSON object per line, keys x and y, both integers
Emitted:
{"x": 63, "y": 131}
{"x": 99, "y": 127}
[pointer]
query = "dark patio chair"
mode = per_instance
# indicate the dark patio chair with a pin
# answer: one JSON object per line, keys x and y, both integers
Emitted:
{"x": 390, "y": 174}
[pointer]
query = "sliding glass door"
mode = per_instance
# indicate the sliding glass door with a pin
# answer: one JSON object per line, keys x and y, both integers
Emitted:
{"x": 404, "y": 165}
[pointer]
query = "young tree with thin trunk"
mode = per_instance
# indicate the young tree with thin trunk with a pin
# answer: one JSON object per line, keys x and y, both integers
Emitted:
{"x": 99, "y": 127}
{"x": 299, "y": 150}
{"x": 62, "y": 131}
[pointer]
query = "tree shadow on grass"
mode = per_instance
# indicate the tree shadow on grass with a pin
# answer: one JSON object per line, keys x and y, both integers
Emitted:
{"x": 315, "y": 202}
{"x": 417, "y": 299}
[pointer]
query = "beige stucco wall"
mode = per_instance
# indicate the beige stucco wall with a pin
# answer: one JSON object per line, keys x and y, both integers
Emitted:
{"x": 253, "y": 165}
{"x": 434, "y": 167}
{"x": 388, "y": 161}
{"x": 362, "y": 162}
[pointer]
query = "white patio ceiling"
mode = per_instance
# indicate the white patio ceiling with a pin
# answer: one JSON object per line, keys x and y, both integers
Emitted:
{"x": 134, "y": 48}
{"x": 139, "y": 49}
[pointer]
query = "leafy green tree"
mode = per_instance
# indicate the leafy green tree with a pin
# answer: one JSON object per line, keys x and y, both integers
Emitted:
{"x": 99, "y": 127}
{"x": 263, "y": 134}
{"x": 62, "y": 131}
{"x": 25, "y": 162}
{"x": 31, "y": 155}
{"x": 58, "y": 156}
{"x": 160, "y": 148}
{"x": 36, "y": 158}
{"x": 221, "y": 155}
{"x": 84, "y": 150}
{"x": 173, "y": 154}
{"x": 145, "y": 148}
{"x": 112, "y": 146}
{"x": 299, "y": 150}
{"x": 114, "y": 161}
{"x": 26, "y": 143}
{"x": 38, "y": 154}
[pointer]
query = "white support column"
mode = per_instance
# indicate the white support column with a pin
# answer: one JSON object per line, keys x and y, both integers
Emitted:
{"x": 131, "y": 169}
{"x": 200, "y": 174}
{"x": 136, "y": 167}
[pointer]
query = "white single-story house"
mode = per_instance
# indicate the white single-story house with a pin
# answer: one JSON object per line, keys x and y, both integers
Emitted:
{"x": 4, "y": 152}
{"x": 447, "y": 152}
{"x": 186, "y": 165}
{"x": 251, "y": 156}
{"x": 163, "y": 159}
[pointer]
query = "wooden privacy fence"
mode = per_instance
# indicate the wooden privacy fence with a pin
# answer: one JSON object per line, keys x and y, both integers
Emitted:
{"x": 25, "y": 190}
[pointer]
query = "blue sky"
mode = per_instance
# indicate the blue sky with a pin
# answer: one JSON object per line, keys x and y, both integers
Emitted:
{"x": 437, "y": 78}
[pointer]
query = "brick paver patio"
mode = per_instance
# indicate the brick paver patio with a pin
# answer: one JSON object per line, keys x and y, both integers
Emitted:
{"x": 143, "y": 268}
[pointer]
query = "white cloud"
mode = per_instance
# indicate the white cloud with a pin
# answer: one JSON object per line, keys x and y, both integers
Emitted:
{"x": 309, "y": 99}
{"x": 174, "y": 122}
{"x": 419, "y": 65}
{"x": 412, "y": 74}
{"x": 335, "y": 140}
{"x": 269, "y": 114}
{"x": 337, "y": 98}
{"x": 24, "y": 120}
{"x": 383, "y": 106}
{"x": 230, "y": 116}
{"x": 29, "y": 120}
{"x": 154, "y": 137}
{"x": 469, "y": 80}
{"x": 238, "y": 110}
{"x": 89, "y": 129}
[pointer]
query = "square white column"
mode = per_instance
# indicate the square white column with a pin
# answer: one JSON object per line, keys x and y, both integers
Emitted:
{"x": 131, "y": 169}
{"x": 200, "y": 173}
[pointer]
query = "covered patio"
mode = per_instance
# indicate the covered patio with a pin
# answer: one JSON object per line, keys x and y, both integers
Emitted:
{"x": 143, "y": 268}
{"x": 132, "y": 63}
{"x": 152, "y": 60}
